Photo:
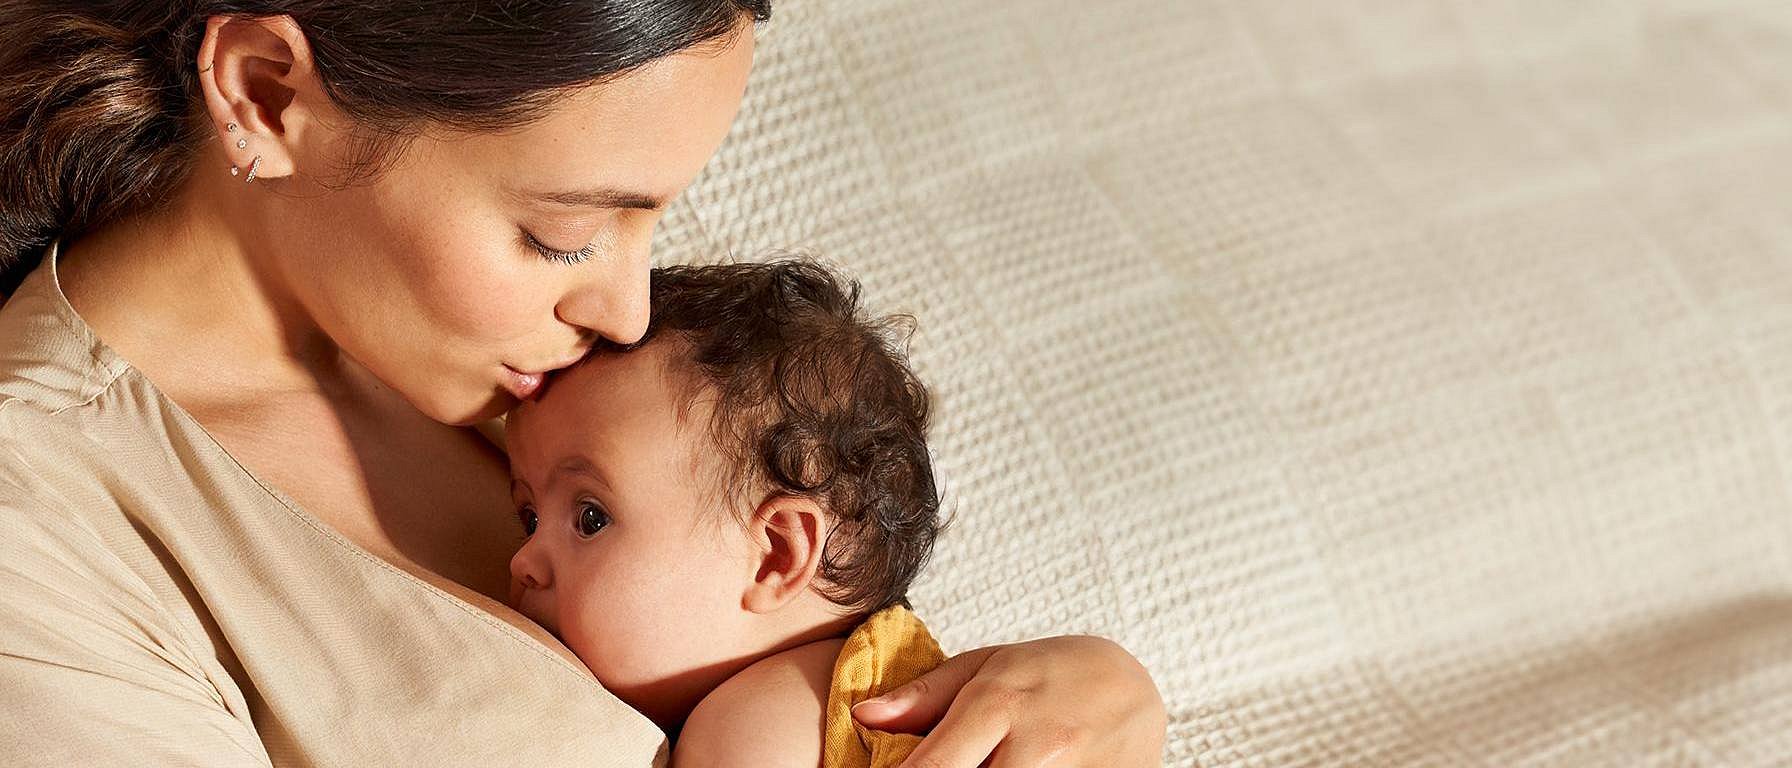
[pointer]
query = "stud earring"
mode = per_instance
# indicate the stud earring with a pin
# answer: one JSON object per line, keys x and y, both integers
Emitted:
{"x": 254, "y": 167}
{"x": 241, "y": 143}
{"x": 230, "y": 127}
{"x": 235, "y": 170}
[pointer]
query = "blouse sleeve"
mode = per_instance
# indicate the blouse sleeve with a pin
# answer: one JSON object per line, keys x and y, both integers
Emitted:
{"x": 91, "y": 672}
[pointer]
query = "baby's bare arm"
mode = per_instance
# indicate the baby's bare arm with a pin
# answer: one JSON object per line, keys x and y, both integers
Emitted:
{"x": 769, "y": 715}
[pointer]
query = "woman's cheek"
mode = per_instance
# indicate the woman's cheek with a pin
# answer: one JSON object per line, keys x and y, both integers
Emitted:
{"x": 470, "y": 288}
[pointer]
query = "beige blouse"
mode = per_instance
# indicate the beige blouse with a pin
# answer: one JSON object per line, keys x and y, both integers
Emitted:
{"x": 160, "y": 606}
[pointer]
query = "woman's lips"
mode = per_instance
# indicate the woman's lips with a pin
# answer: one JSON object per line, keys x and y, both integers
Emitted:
{"x": 525, "y": 385}
{"x": 522, "y": 386}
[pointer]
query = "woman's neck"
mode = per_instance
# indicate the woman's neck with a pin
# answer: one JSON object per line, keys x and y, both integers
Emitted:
{"x": 182, "y": 295}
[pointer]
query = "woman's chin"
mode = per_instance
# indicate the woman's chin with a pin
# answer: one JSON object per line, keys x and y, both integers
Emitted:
{"x": 463, "y": 411}
{"x": 498, "y": 405}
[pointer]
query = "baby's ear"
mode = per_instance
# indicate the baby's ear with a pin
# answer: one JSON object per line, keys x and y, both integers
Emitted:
{"x": 790, "y": 532}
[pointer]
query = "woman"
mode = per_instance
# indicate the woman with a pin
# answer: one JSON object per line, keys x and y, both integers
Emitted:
{"x": 268, "y": 254}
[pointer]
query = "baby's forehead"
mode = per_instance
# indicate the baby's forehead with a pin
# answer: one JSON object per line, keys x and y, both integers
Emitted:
{"x": 636, "y": 376}
{"x": 615, "y": 399}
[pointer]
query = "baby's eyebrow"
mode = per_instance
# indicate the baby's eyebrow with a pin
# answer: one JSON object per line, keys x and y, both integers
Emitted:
{"x": 577, "y": 465}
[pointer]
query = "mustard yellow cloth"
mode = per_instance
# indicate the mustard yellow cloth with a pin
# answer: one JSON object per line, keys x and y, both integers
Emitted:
{"x": 890, "y": 648}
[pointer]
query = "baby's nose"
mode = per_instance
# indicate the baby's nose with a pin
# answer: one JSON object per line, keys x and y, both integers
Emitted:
{"x": 530, "y": 568}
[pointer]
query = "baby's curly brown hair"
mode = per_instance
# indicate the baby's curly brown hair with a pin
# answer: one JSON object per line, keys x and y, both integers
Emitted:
{"x": 812, "y": 399}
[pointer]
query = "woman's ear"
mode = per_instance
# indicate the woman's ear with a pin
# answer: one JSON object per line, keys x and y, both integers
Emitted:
{"x": 262, "y": 91}
{"x": 791, "y": 532}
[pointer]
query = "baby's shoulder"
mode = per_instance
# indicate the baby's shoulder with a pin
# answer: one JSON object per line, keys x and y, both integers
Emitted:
{"x": 769, "y": 714}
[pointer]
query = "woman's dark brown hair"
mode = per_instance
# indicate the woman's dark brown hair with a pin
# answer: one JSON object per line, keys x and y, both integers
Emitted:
{"x": 811, "y": 398}
{"x": 100, "y": 111}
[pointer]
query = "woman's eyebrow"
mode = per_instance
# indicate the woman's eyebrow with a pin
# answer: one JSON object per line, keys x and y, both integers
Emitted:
{"x": 598, "y": 198}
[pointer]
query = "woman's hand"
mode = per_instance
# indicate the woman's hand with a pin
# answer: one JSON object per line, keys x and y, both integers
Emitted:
{"x": 1061, "y": 701}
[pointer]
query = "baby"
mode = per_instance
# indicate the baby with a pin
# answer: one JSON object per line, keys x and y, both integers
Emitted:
{"x": 723, "y": 519}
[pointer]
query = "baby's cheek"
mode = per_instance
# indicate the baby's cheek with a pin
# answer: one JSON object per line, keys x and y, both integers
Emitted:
{"x": 575, "y": 631}
{"x": 605, "y": 637}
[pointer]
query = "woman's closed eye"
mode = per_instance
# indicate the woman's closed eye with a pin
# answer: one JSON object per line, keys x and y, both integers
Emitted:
{"x": 590, "y": 519}
{"x": 555, "y": 254}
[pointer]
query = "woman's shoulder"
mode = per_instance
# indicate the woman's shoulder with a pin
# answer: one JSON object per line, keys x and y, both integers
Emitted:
{"x": 53, "y": 450}
{"x": 49, "y": 357}
{"x": 769, "y": 714}
{"x": 32, "y": 438}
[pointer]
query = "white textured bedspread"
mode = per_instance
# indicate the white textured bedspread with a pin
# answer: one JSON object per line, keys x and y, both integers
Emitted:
{"x": 1406, "y": 382}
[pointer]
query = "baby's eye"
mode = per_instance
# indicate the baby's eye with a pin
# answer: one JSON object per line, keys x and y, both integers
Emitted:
{"x": 526, "y": 516}
{"x": 591, "y": 519}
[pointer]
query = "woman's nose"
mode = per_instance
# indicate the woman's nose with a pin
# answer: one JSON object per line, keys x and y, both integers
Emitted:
{"x": 612, "y": 300}
{"x": 530, "y": 566}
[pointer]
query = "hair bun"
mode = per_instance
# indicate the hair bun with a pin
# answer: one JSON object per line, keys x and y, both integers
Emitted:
{"x": 92, "y": 124}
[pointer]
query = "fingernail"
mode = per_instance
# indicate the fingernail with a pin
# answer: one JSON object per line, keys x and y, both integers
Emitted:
{"x": 878, "y": 701}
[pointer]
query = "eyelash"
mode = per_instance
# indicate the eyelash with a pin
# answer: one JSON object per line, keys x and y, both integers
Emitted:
{"x": 563, "y": 257}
